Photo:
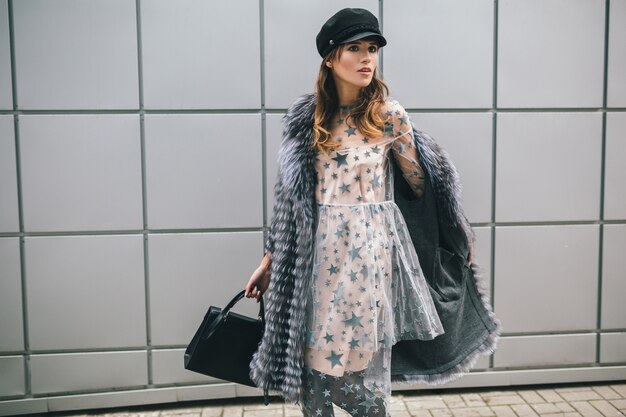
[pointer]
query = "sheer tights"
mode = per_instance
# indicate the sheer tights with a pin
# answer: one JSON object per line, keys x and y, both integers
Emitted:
{"x": 348, "y": 392}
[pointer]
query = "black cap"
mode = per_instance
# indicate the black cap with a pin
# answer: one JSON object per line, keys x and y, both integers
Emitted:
{"x": 348, "y": 25}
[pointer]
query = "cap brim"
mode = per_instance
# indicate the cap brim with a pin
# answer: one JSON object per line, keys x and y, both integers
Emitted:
{"x": 362, "y": 35}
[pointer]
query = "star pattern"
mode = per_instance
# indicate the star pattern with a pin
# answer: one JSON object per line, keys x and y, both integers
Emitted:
{"x": 354, "y": 252}
{"x": 358, "y": 269}
{"x": 342, "y": 159}
{"x": 353, "y": 321}
{"x": 334, "y": 359}
{"x": 347, "y": 388}
{"x": 368, "y": 403}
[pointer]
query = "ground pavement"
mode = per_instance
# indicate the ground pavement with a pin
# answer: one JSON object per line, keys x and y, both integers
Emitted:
{"x": 600, "y": 399}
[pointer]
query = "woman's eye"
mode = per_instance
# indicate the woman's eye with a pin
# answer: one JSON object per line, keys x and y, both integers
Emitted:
{"x": 355, "y": 48}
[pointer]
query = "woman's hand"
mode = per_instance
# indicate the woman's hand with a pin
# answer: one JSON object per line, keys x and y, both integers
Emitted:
{"x": 260, "y": 280}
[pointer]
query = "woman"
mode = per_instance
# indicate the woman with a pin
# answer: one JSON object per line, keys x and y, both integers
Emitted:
{"x": 362, "y": 283}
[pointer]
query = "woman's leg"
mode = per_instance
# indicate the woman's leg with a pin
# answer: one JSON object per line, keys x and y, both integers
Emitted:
{"x": 353, "y": 396}
{"x": 318, "y": 398}
{"x": 344, "y": 386}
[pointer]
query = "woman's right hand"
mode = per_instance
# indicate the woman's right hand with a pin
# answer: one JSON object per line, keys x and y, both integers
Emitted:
{"x": 260, "y": 280}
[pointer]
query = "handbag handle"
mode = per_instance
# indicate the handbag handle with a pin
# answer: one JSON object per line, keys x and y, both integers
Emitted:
{"x": 226, "y": 310}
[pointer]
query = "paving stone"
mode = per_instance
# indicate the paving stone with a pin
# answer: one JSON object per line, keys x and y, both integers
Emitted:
{"x": 425, "y": 404}
{"x": 585, "y": 395}
{"x": 619, "y": 404}
{"x": 485, "y": 411}
{"x": 465, "y": 412}
{"x": 503, "y": 411}
{"x": 440, "y": 412}
{"x": 233, "y": 411}
{"x": 473, "y": 412}
{"x": 606, "y": 408}
{"x": 586, "y": 409}
{"x": 530, "y": 396}
{"x": 397, "y": 407}
{"x": 396, "y": 404}
{"x": 415, "y": 413}
{"x": 549, "y": 395}
{"x": 545, "y": 408}
{"x": 524, "y": 410}
{"x": 212, "y": 411}
{"x": 510, "y": 399}
{"x": 453, "y": 400}
{"x": 620, "y": 389}
{"x": 606, "y": 392}
{"x": 290, "y": 412}
{"x": 565, "y": 407}
{"x": 473, "y": 400}
{"x": 292, "y": 407}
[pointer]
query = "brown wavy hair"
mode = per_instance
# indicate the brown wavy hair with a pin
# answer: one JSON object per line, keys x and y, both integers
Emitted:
{"x": 367, "y": 113}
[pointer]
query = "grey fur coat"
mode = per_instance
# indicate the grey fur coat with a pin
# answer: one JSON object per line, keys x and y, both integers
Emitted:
{"x": 440, "y": 233}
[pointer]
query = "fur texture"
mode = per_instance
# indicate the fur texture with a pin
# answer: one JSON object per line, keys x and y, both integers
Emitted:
{"x": 278, "y": 362}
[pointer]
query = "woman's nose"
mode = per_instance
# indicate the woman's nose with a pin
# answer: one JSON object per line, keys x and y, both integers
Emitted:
{"x": 369, "y": 55}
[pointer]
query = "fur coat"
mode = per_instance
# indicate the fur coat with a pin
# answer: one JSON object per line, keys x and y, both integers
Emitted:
{"x": 440, "y": 233}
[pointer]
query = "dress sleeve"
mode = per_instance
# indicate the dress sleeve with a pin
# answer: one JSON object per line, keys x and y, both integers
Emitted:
{"x": 403, "y": 147}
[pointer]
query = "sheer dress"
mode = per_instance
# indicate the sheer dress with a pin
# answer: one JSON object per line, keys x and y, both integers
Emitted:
{"x": 368, "y": 290}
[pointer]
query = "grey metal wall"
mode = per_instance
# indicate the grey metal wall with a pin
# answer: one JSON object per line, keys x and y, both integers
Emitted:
{"x": 138, "y": 148}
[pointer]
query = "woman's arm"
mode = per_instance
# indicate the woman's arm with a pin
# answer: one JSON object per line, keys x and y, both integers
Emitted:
{"x": 266, "y": 262}
{"x": 403, "y": 146}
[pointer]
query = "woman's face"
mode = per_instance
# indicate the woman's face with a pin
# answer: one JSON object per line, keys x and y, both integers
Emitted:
{"x": 356, "y": 65}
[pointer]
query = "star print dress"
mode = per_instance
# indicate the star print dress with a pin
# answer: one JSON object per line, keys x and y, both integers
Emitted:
{"x": 368, "y": 290}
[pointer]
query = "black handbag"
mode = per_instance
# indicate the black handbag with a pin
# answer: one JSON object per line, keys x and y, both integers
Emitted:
{"x": 224, "y": 344}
